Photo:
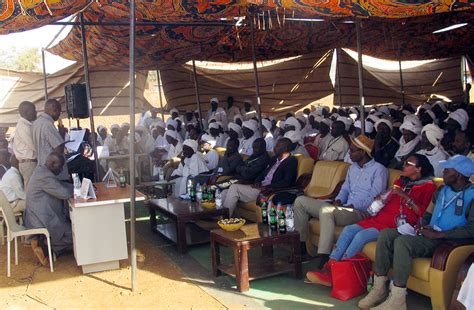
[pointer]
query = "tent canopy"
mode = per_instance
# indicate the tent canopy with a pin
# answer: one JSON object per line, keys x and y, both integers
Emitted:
{"x": 391, "y": 29}
{"x": 109, "y": 90}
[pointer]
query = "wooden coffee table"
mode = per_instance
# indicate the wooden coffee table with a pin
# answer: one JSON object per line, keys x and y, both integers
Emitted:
{"x": 183, "y": 212}
{"x": 254, "y": 236}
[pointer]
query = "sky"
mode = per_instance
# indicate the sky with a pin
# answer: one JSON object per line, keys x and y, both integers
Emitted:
{"x": 39, "y": 38}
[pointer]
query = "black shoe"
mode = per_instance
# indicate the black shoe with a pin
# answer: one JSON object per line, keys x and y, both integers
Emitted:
{"x": 323, "y": 259}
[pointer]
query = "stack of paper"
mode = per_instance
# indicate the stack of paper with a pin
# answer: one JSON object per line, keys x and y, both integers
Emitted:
{"x": 406, "y": 229}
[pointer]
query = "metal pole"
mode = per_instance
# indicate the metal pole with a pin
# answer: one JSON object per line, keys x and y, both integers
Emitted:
{"x": 255, "y": 71}
{"x": 361, "y": 77}
{"x": 402, "y": 87}
{"x": 133, "y": 255}
{"x": 85, "y": 60}
{"x": 338, "y": 74}
{"x": 158, "y": 75}
{"x": 45, "y": 78}
{"x": 196, "y": 88}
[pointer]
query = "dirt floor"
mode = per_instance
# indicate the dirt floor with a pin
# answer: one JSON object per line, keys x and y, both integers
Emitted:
{"x": 161, "y": 285}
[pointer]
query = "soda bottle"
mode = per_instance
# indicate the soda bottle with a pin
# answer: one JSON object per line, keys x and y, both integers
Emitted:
{"x": 264, "y": 212}
{"x": 281, "y": 221}
{"x": 189, "y": 185}
{"x": 198, "y": 192}
{"x": 273, "y": 219}
{"x": 218, "y": 199}
{"x": 193, "y": 192}
{"x": 290, "y": 218}
{"x": 204, "y": 193}
{"x": 77, "y": 185}
{"x": 122, "y": 179}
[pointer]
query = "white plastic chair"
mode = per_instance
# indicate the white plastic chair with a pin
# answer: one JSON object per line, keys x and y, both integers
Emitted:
{"x": 18, "y": 216}
{"x": 15, "y": 230}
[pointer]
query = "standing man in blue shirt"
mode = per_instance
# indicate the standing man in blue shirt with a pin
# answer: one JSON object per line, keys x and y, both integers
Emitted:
{"x": 365, "y": 180}
{"x": 452, "y": 218}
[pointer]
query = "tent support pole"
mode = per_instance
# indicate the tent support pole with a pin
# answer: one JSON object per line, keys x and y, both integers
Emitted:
{"x": 402, "y": 87}
{"x": 158, "y": 75}
{"x": 45, "y": 78}
{"x": 85, "y": 60}
{"x": 196, "y": 88}
{"x": 133, "y": 254}
{"x": 338, "y": 74}
{"x": 255, "y": 72}
{"x": 361, "y": 77}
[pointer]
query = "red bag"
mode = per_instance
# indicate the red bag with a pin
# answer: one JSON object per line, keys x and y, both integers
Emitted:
{"x": 349, "y": 277}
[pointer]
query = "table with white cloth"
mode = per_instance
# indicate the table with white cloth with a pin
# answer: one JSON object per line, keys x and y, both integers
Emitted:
{"x": 98, "y": 228}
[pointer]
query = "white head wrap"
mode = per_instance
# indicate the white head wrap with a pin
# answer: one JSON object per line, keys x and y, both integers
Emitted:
{"x": 114, "y": 126}
{"x": 174, "y": 110}
{"x": 353, "y": 110}
{"x": 248, "y": 101}
{"x": 302, "y": 119}
{"x": 237, "y": 116}
{"x": 384, "y": 121}
{"x": 235, "y": 128}
{"x": 214, "y": 100}
{"x": 372, "y": 117}
{"x": 192, "y": 144}
{"x": 318, "y": 119}
{"x": 209, "y": 139}
{"x": 294, "y": 136}
{"x": 160, "y": 123}
{"x": 433, "y": 133}
{"x": 173, "y": 134}
{"x": 267, "y": 124}
{"x": 431, "y": 114}
{"x": 441, "y": 104}
{"x": 250, "y": 125}
{"x": 369, "y": 127}
{"x": 461, "y": 117}
{"x": 425, "y": 106}
{"x": 385, "y": 110}
{"x": 411, "y": 123}
{"x": 281, "y": 124}
{"x": 327, "y": 122}
{"x": 291, "y": 121}
{"x": 100, "y": 127}
{"x": 346, "y": 120}
{"x": 139, "y": 128}
{"x": 214, "y": 125}
{"x": 172, "y": 122}
{"x": 125, "y": 124}
{"x": 394, "y": 107}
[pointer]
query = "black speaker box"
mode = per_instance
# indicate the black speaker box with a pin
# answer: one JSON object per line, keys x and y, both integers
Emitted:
{"x": 76, "y": 101}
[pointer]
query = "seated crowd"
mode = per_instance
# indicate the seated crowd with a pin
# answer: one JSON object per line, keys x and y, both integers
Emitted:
{"x": 229, "y": 150}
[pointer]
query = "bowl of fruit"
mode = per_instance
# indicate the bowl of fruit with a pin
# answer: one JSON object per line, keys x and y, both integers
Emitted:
{"x": 231, "y": 224}
{"x": 208, "y": 204}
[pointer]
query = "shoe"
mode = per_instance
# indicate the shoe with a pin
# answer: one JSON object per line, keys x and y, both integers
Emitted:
{"x": 323, "y": 278}
{"x": 378, "y": 293}
{"x": 39, "y": 253}
{"x": 324, "y": 258}
{"x": 397, "y": 299}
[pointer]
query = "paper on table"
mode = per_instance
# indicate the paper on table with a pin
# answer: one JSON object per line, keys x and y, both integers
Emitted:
{"x": 76, "y": 137}
{"x": 406, "y": 229}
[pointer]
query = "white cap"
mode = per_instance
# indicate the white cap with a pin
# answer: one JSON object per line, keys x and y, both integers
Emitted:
{"x": 294, "y": 136}
{"x": 191, "y": 143}
{"x": 291, "y": 121}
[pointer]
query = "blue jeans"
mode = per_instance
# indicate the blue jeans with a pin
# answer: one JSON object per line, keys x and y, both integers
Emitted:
{"x": 352, "y": 241}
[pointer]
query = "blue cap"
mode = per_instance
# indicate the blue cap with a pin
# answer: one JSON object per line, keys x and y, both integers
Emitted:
{"x": 462, "y": 164}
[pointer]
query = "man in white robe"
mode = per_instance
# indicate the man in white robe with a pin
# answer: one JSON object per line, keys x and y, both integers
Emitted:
{"x": 192, "y": 165}
{"x": 250, "y": 132}
{"x": 210, "y": 155}
{"x": 217, "y": 113}
{"x": 431, "y": 136}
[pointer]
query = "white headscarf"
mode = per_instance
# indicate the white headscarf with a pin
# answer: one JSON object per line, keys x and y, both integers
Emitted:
{"x": 369, "y": 127}
{"x": 411, "y": 123}
{"x": 267, "y": 124}
{"x": 209, "y": 139}
{"x": 294, "y": 136}
{"x": 192, "y": 144}
{"x": 235, "y": 128}
{"x": 291, "y": 121}
{"x": 346, "y": 120}
{"x": 384, "y": 121}
{"x": 250, "y": 125}
{"x": 173, "y": 134}
{"x": 172, "y": 122}
{"x": 461, "y": 117}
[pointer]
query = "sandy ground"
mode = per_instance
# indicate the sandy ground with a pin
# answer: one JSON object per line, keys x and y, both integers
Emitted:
{"x": 162, "y": 285}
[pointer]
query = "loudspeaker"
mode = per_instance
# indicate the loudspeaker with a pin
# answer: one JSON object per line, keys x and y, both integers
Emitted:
{"x": 76, "y": 101}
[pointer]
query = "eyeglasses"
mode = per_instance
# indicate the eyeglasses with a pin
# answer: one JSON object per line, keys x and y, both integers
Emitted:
{"x": 409, "y": 163}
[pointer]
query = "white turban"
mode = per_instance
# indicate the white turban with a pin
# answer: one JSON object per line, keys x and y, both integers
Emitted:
{"x": 394, "y": 107}
{"x": 173, "y": 110}
{"x": 433, "y": 133}
{"x": 191, "y": 143}
{"x": 100, "y": 127}
{"x": 125, "y": 125}
{"x": 248, "y": 101}
{"x": 411, "y": 123}
{"x": 291, "y": 121}
{"x": 294, "y": 136}
{"x": 214, "y": 125}
{"x": 372, "y": 117}
{"x": 346, "y": 120}
{"x": 139, "y": 128}
{"x": 384, "y": 110}
{"x": 425, "y": 106}
{"x": 237, "y": 116}
{"x": 302, "y": 119}
{"x": 327, "y": 122}
{"x": 318, "y": 119}
{"x": 461, "y": 117}
{"x": 281, "y": 124}
{"x": 267, "y": 124}
{"x": 252, "y": 125}
{"x": 215, "y": 100}
{"x": 383, "y": 121}
{"x": 172, "y": 122}
{"x": 209, "y": 139}
{"x": 369, "y": 127}
{"x": 235, "y": 128}
{"x": 160, "y": 123}
{"x": 431, "y": 114}
{"x": 353, "y": 110}
{"x": 114, "y": 126}
{"x": 173, "y": 134}
{"x": 441, "y": 104}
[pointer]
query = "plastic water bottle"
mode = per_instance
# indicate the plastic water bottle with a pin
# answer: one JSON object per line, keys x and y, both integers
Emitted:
{"x": 77, "y": 186}
{"x": 198, "y": 192}
{"x": 218, "y": 199}
{"x": 161, "y": 175}
{"x": 189, "y": 186}
{"x": 290, "y": 218}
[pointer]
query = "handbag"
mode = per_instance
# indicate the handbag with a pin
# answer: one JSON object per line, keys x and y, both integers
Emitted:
{"x": 349, "y": 277}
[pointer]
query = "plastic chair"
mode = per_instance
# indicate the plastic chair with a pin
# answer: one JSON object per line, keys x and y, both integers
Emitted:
{"x": 18, "y": 216}
{"x": 15, "y": 230}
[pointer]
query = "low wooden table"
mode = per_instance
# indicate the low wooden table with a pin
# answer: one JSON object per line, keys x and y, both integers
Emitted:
{"x": 183, "y": 212}
{"x": 254, "y": 236}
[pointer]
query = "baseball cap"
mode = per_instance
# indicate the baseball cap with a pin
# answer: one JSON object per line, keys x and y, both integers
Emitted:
{"x": 462, "y": 164}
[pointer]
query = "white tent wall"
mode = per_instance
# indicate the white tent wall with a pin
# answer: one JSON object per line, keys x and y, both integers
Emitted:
{"x": 109, "y": 90}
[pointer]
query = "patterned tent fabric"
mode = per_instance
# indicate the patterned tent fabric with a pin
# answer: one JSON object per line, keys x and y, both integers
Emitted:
{"x": 158, "y": 46}
{"x": 365, "y": 8}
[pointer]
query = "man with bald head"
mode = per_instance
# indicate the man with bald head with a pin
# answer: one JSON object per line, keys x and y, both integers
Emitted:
{"x": 23, "y": 146}
{"x": 46, "y": 206}
{"x": 46, "y": 137}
